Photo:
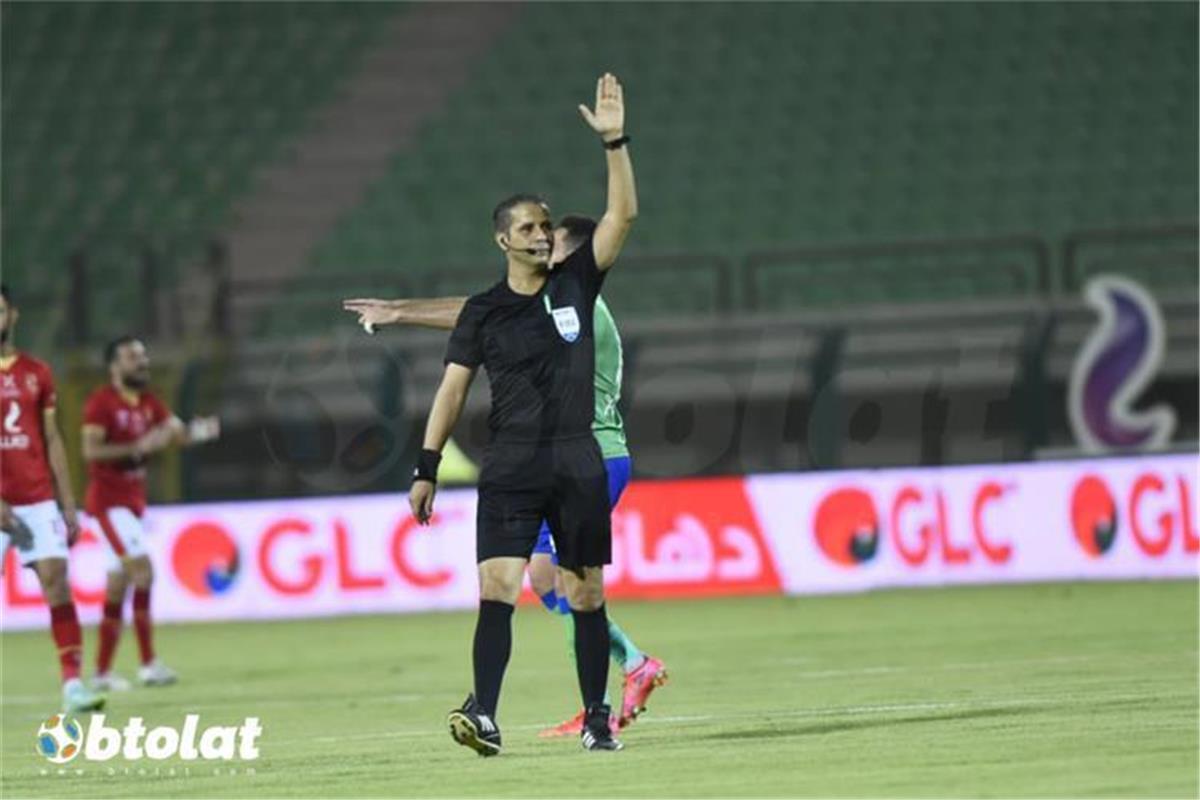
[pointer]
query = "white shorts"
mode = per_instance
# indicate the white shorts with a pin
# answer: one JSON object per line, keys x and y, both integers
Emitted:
{"x": 124, "y": 533}
{"x": 48, "y": 529}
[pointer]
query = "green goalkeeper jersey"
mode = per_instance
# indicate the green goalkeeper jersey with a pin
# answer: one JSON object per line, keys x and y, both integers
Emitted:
{"x": 607, "y": 426}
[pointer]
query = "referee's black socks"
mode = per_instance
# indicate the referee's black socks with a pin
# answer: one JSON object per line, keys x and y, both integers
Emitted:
{"x": 493, "y": 644}
{"x": 591, "y": 654}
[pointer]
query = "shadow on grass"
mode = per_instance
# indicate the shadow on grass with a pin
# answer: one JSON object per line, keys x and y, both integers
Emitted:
{"x": 814, "y": 729}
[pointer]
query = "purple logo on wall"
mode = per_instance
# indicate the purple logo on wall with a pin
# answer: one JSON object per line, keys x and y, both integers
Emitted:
{"x": 1114, "y": 366}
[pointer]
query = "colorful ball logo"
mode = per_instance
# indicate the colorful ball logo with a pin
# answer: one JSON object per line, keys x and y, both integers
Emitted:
{"x": 58, "y": 739}
{"x": 846, "y": 526}
{"x": 1094, "y": 516}
{"x": 205, "y": 559}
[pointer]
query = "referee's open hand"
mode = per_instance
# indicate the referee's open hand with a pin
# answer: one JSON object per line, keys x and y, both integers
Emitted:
{"x": 608, "y": 119}
{"x": 420, "y": 499}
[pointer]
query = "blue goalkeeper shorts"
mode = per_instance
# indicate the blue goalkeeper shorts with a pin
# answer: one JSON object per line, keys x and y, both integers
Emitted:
{"x": 618, "y": 469}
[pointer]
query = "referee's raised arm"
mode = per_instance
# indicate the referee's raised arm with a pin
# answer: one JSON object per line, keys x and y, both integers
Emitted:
{"x": 608, "y": 120}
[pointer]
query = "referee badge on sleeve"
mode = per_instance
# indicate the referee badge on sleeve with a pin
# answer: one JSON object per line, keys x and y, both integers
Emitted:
{"x": 567, "y": 322}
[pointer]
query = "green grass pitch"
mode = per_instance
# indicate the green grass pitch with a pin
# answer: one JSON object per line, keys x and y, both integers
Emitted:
{"x": 1042, "y": 690}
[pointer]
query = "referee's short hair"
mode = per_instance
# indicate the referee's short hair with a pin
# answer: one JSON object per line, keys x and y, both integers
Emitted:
{"x": 579, "y": 229}
{"x": 502, "y": 213}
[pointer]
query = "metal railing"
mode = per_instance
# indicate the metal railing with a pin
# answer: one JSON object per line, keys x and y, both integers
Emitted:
{"x": 724, "y": 288}
{"x": 1127, "y": 241}
{"x": 1028, "y": 246}
{"x": 308, "y": 291}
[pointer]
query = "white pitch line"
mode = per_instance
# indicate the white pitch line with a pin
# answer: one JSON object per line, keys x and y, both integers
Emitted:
{"x": 881, "y": 669}
{"x": 767, "y": 716}
{"x": 951, "y": 666}
{"x": 838, "y": 673}
{"x": 687, "y": 718}
{"x": 886, "y": 669}
{"x": 49, "y": 702}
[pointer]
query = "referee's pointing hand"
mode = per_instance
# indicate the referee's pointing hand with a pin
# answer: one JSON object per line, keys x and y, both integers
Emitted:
{"x": 420, "y": 499}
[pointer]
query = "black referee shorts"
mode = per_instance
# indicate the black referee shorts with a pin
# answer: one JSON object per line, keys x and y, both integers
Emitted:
{"x": 563, "y": 482}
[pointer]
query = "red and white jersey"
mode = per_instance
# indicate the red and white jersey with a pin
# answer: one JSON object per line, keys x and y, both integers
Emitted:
{"x": 120, "y": 483}
{"x": 26, "y": 393}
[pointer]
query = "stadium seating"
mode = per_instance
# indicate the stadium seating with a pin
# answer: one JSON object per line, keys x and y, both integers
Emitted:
{"x": 142, "y": 122}
{"x": 761, "y": 129}
{"x": 788, "y": 125}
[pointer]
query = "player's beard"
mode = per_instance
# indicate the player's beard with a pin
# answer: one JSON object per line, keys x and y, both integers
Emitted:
{"x": 135, "y": 382}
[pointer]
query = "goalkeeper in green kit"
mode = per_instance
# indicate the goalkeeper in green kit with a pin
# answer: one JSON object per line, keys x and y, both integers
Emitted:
{"x": 643, "y": 673}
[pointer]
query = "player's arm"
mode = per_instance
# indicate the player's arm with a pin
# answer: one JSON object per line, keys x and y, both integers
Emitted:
{"x": 434, "y": 312}
{"x": 57, "y": 455}
{"x": 96, "y": 449}
{"x": 447, "y": 408}
{"x": 187, "y": 434}
{"x": 608, "y": 120}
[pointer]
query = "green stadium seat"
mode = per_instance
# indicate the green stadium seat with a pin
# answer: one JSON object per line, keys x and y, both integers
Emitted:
{"x": 756, "y": 127}
{"x": 151, "y": 118}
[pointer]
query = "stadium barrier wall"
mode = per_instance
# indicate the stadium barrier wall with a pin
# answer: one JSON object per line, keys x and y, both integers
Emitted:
{"x": 795, "y": 533}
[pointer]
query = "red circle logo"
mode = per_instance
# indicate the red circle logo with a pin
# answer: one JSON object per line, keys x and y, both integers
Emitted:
{"x": 205, "y": 559}
{"x": 846, "y": 526}
{"x": 1094, "y": 515}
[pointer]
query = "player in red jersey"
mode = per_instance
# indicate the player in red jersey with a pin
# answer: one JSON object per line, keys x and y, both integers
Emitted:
{"x": 123, "y": 425}
{"x": 37, "y": 507}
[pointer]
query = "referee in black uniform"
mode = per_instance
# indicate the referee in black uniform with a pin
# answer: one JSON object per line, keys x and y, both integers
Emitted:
{"x": 532, "y": 332}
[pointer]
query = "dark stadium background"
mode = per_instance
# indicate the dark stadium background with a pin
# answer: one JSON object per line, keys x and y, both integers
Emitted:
{"x": 864, "y": 228}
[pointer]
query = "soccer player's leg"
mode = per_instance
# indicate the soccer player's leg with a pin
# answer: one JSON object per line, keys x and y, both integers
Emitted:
{"x": 643, "y": 673}
{"x": 474, "y": 724}
{"x": 547, "y": 584}
{"x": 46, "y": 553}
{"x": 543, "y": 574}
{"x": 579, "y": 520}
{"x": 507, "y": 523}
{"x": 124, "y": 532}
{"x": 116, "y": 586}
{"x": 623, "y": 649}
{"x": 585, "y": 588}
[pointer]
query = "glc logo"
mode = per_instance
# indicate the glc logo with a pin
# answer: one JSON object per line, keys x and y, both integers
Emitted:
{"x": 1114, "y": 366}
{"x": 916, "y": 522}
{"x": 847, "y": 526}
{"x": 1093, "y": 515}
{"x": 1157, "y": 508}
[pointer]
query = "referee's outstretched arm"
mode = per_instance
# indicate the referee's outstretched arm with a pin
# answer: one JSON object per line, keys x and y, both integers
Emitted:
{"x": 431, "y": 312}
{"x": 447, "y": 407}
{"x": 608, "y": 120}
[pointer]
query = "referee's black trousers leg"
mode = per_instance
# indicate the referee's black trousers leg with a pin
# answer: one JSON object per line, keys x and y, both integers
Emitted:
{"x": 591, "y": 654}
{"x": 493, "y": 645}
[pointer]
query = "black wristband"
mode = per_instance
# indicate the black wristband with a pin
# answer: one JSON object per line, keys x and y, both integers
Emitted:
{"x": 617, "y": 143}
{"x": 427, "y": 466}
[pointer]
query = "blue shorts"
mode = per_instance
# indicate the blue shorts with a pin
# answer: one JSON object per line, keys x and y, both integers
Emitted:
{"x": 618, "y": 478}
